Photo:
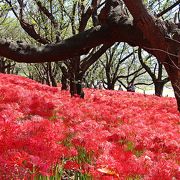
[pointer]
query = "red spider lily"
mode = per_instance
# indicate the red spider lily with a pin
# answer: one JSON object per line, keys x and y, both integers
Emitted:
{"x": 108, "y": 135}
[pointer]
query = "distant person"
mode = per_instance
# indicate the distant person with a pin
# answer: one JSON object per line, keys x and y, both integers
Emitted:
{"x": 131, "y": 87}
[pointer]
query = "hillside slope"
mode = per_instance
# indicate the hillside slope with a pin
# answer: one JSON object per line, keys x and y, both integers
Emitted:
{"x": 108, "y": 135}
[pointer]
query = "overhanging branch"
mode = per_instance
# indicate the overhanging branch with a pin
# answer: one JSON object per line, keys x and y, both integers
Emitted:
{"x": 74, "y": 46}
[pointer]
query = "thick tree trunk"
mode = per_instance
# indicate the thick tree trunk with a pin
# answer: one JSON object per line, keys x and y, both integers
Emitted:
{"x": 73, "y": 89}
{"x": 76, "y": 89}
{"x": 176, "y": 81}
{"x": 64, "y": 82}
{"x": 79, "y": 88}
{"x": 76, "y": 86}
{"x": 110, "y": 86}
{"x": 173, "y": 71}
{"x": 176, "y": 86}
{"x": 159, "y": 88}
{"x": 75, "y": 78}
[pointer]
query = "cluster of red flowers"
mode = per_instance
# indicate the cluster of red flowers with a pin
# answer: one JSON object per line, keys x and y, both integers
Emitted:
{"x": 107, "y": 135}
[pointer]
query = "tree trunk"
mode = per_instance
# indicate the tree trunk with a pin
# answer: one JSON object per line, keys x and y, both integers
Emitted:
{"x": 175, "y": 80}
{"x": 64, "y": 78}
{"x": 64, "y": 82}
{"x": 73, "y": 89}
{"x": 47, "y": 80}
{"x": 76, "y": 85}
{"x": 2, "y": 65}
{"x": 76, "y": 88}
{"x": 159, "y": 88}
{"x": 79, "y": 88}
{"x": 174, "y": 76}
{"x": 47, "y": 75}
{"x": 51, "y": 76}
{"x": 76, "y": 78}
{"x": 110, "y": 86}
{"x": 53, "y": 81}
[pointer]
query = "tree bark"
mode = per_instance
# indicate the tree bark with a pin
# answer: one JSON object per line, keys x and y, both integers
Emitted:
{"x": 64, "y": 82}
{"x": 175, "y": 80}
{"x": 76, "y": 88}
{"x": 110, "y": 86}
{"x": 158, "y": 88}
{"x": 51, "y": 77}
{"x": 164, "y": 48}
{"x": 173, "y": 71}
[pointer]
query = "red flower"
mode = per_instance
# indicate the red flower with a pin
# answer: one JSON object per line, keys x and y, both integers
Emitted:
{"x": 113, "y": 135}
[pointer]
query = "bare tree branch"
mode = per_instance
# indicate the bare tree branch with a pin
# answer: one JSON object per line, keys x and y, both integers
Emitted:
{"x": 74, "y": 46}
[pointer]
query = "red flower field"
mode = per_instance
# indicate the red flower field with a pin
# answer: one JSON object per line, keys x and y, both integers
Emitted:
{"x": 108, "y": 135}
